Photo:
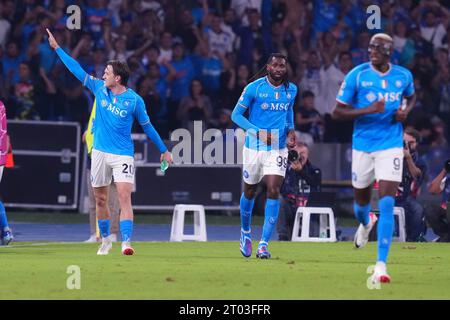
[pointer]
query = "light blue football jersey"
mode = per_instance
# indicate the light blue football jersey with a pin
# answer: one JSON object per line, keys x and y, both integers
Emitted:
{"x": 270, "y": 108}
{"x": 114, "y": 117}
{"x": 363, "y": 86}
{"x": 114, "y": 114}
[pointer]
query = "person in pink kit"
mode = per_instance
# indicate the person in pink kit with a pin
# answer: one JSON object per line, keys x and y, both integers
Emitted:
{"x": 6, "y": 234}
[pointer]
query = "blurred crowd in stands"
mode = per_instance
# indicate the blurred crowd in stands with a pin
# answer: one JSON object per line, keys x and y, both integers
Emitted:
{"x": 190, "y": 59}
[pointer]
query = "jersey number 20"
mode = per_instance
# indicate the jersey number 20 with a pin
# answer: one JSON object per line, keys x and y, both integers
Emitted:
{"x": 127, "y": 168}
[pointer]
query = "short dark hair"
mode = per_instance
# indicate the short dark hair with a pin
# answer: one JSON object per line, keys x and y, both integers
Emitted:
{"x": 121, "y": 69}
{"x": 307, "y": 94}
{"x": 276, "y": 55}
{"x": 344, "y": 53}
{"x": 12, "y": 41}
{"x": 191, "y": 93}
{"x": 26, "y": 63}
{"x": 413, "y": 133}
{"x": 153, "y": 46}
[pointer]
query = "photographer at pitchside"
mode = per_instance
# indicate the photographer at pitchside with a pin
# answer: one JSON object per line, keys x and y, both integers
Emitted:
{"x": 301, "y": 178}
{"x": 438, "y": 217}
{"x": 414, "y": 171}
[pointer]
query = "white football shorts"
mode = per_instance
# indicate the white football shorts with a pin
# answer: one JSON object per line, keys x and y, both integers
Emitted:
{"x": 259, "y": 163}
{"x": 379, "y": 165}
{"x": 106, "y": 165}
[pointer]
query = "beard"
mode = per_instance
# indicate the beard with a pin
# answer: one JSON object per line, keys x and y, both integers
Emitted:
{"x": 276, "y": 77}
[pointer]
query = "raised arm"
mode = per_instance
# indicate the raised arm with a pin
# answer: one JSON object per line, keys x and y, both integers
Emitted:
{"x": 33, "y": 47}
{"x": 414, "y": 170}
{"x": 89, "y": 81}
{"x": 68, "y": 61}
{"x": 142, "y": 48}
{"x": 49, "y": 85}
{"x": 435, "y": 186}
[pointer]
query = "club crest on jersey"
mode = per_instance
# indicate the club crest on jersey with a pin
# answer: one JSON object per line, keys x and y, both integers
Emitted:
{"x": 277, "y": 95}
{"x": 104, "y": 103}
{"x": 371, "y": 97}
{"x": 242, "y": 95}
{"x": 264, "y": 106}
{"x": 384, "y": 84}
{"x": 398, "y": 83}
{"x": 288, "y": 95}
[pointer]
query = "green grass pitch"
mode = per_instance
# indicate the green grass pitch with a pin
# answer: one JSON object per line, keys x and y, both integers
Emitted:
{"x": 216, "y": 270}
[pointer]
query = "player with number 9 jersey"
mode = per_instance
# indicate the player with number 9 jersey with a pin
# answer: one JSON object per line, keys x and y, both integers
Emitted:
{"x": 378, "y": 95}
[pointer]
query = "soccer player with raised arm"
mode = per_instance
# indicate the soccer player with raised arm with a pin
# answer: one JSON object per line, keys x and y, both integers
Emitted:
{"x": 379, "y": 96}
{"x": 113, "y": 149}
{"x": 269, "y": 101}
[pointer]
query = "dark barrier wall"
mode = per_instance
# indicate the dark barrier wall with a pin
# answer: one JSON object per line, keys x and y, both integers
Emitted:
{"x": 215, "y": 187}
{"x": 46, "y": 170}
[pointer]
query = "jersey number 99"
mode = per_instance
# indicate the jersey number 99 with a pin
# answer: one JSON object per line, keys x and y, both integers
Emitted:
{"x": 282, "y": 161}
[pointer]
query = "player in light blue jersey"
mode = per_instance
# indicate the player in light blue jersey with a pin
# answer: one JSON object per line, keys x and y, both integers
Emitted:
{"x": 379, "y": 96}
{"x": 269, "y": 101}
{"x": 113, "y": 151}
